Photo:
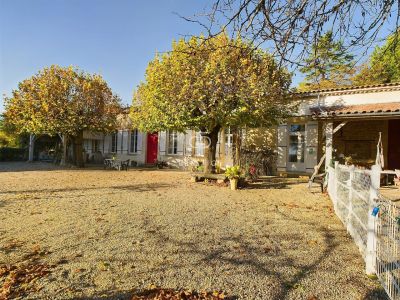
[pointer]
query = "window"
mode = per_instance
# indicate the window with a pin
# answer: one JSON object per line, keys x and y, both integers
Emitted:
{"x": 114, "y": 142}
{"x": 86, "y": 145}
{"x": 172, "y": 142}
{"x": 296, "y": 143}
{"x": 133, "y": 146}
{"x": 199, "y": 144}
{"x": 95, "y": 146}
{"x": 228, "y": 141}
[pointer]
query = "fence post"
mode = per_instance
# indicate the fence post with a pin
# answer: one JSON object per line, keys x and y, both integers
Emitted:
{"x": 350, "y": 198}
{"x": 370, "y": 258}
{"x": 335, "y": 186}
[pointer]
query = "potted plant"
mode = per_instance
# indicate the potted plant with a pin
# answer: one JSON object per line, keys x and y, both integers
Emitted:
{"x": 233, "y": 174}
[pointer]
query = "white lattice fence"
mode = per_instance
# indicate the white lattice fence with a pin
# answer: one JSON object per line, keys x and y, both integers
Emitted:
{"x": 371, "y": 220}
{"x": 388, "y": 247}
{"x": 350, "y": 191}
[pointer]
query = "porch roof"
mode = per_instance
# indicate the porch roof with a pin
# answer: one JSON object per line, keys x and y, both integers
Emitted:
{"x": 360, "y": 110}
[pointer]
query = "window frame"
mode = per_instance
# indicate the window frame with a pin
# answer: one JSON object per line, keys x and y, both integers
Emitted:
{"x": 228, "y": 141}
{"x": 298, "y": 131}
{"x": 198, "y": 142}
{"x": 133, "y": 136}
{"x": 174, "y": 148}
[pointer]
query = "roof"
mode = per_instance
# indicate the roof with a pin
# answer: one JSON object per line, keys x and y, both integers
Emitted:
{"x": 376, "y": 109}
{"x": 352, "y": 89}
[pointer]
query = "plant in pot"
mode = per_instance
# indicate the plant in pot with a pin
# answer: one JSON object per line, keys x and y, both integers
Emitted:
{"x": 233, "y": 174}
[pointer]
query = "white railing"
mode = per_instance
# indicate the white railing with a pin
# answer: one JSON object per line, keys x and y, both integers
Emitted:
{"x": 356, "y": 199}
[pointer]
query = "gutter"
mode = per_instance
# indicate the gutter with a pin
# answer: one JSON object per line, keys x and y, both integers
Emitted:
{"x": 357, "y": 116}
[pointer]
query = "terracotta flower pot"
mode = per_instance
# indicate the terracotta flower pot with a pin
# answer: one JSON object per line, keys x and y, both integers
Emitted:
{"x": 234, "y": 184}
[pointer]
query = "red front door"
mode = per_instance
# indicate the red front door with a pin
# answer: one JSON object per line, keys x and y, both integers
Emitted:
{"x": 152, "y": 146}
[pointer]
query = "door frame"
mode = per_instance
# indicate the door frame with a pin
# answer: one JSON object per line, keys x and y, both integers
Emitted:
{"x": 296, "y": 166}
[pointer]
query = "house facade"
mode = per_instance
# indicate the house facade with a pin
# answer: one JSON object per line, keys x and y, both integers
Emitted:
{"x": 342, "y": 124}
{"x": 178, "y": 149}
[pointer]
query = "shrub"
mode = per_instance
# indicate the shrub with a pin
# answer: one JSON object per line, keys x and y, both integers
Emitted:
{"x": 263, "y": 160}
{"x": 12, "y": 154}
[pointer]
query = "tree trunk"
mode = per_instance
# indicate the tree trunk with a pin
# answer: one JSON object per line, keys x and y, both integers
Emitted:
{"x": 78, "y": 153}
{"x": 64, "y": 142}
{"x": 237, "y": 145}
{"x": 210, "y": 151}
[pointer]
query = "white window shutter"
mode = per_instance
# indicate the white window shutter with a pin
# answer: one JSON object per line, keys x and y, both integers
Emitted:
{"x": 162, "y": 142}
{"x": 106, "y": 143}
{"x": 311, "y": 145}
{"x": 140, "y": 141}
{"x": 120, "y": 141}
{"x": 282, "y": 146}
{"x": 188, "y": 141}
{"x": 181, "y": 143}
{"x": 125, "y": 146}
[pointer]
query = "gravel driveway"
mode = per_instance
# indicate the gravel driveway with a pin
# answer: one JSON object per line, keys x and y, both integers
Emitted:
{"x": 106, "y": 233}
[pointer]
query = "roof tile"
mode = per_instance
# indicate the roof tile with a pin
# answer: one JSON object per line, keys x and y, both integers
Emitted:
{"x": 378, "y": 108}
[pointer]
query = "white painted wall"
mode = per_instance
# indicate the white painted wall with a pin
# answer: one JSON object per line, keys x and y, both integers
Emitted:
{"x": 184, "y": 158}
{"x": 370, "y": 97}
{"x": 123, "y": 145}
{"x": 282, "y": 147}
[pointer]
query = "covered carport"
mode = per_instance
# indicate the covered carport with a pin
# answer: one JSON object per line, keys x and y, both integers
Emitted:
{"x": 351, "y": 133}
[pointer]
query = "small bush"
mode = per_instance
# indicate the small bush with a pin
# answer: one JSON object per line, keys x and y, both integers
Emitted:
{"x": 12, "y": 154}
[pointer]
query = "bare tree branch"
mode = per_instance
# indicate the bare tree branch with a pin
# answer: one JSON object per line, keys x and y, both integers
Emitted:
{"x": 290, "y": 28}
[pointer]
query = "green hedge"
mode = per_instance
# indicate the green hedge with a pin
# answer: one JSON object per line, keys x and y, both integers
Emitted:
{"x": 12, "y": 154}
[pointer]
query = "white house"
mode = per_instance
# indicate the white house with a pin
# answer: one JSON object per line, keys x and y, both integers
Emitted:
{"x": 178, "y": 149}
{"x": 342, "y": 123}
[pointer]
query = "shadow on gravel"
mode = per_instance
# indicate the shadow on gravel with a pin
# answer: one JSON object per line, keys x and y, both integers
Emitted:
{"x": 270, "y": 185}
{"x": 131, "y": 187}
{"x": 22, "y": 166}
{"x": 113, "y": 295}
{"x": 128, "y": 295}
{"x": 250, "y": 252}
{"x": 376, "y": 294}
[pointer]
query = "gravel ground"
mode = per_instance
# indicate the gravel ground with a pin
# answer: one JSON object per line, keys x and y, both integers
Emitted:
{"x": 107, "y": 233}
{"x": 391, "y": 193}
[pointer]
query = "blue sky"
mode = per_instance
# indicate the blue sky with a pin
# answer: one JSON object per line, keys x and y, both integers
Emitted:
{"x": 114, "y": 38}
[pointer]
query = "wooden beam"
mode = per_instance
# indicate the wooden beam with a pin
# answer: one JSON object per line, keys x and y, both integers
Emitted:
{"x": 337, "y": 128}
{"x": 317, "y": 167}
{"x": 328, "y": 143}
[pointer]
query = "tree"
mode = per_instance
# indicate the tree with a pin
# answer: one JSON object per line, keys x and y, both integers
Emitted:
{"x": 328, "y": 66}
{"x": 290, "y": 28}
{"x": 383, "y": 65}
{"x": 211, "y": 85}
{"x": 63, "y": 101}
{"x": 5, "y": 139}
